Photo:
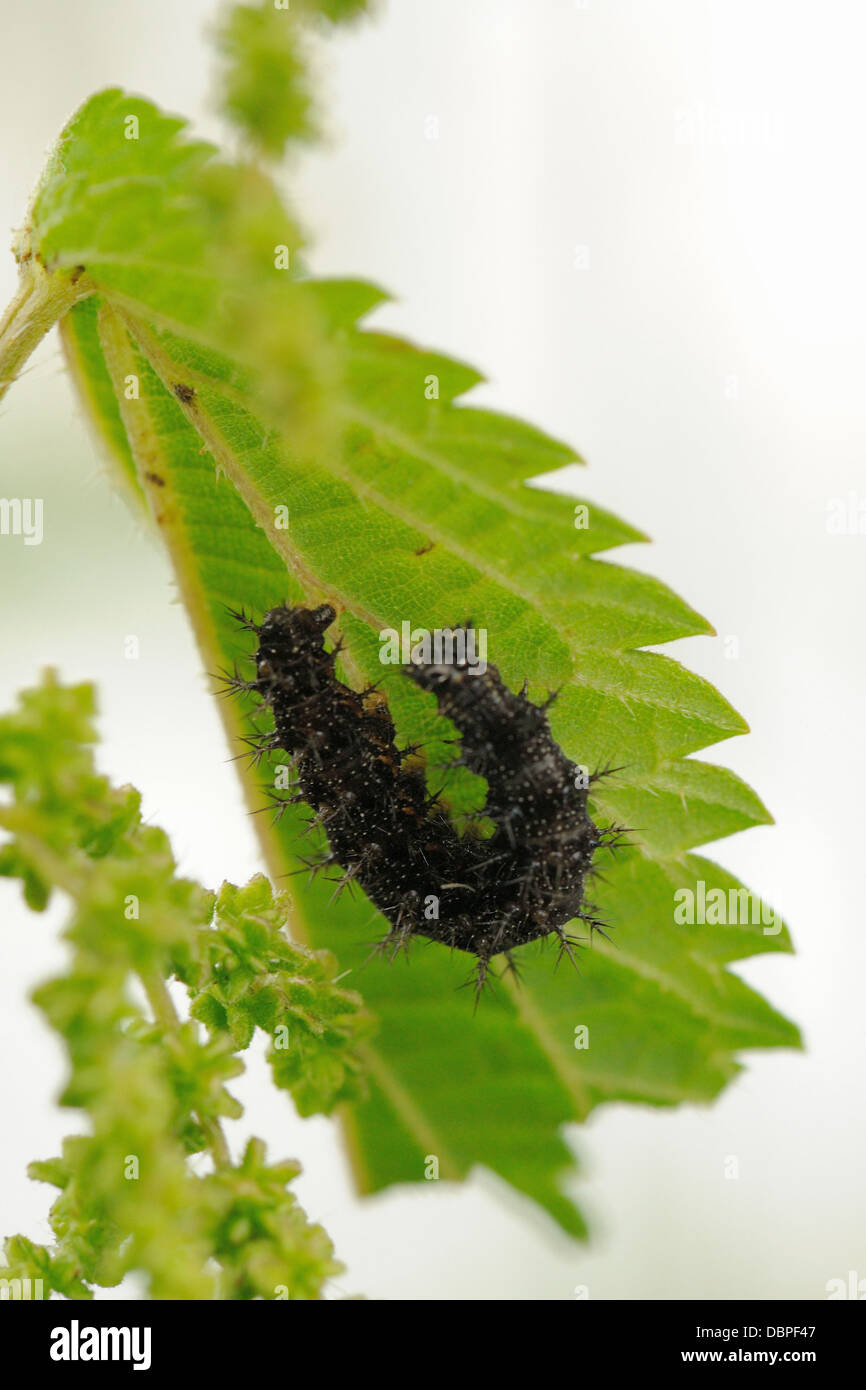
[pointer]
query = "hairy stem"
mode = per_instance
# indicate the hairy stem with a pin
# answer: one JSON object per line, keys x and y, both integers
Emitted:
{"x": 42, "y": 300}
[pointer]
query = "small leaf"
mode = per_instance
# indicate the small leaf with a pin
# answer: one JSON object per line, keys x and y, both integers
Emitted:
{"x": 209, "y": 1012}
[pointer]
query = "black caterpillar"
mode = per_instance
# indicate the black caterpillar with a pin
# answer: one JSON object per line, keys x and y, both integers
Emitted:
{"x": 484, "y": 896}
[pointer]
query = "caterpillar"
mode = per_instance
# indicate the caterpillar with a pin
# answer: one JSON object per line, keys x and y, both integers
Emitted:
{"x": 481, "y": 896}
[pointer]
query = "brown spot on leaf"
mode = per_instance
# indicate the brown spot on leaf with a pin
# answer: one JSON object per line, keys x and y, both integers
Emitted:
{"x": 184, "y": 393}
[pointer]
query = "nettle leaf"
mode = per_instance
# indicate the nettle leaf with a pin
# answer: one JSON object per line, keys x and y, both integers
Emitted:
{"x": 414, "y": 507}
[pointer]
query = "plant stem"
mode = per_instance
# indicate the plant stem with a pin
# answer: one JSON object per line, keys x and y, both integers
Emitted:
{"x": 41, "y": 300}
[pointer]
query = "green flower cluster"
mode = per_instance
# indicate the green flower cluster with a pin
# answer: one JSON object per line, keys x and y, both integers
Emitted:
{"x": 246, "y": 974}
{"x": 151, "y": 1083}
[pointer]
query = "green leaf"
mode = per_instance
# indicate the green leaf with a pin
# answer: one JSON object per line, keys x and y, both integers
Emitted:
{"x": 414, "y": 506}
{"x": 128, "y": 206}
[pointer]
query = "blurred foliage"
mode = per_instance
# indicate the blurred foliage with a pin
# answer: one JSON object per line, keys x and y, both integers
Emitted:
{"x": 153, "y": 1087}
{"x": 265, "y": 80}
{"x": 265, "y": 84}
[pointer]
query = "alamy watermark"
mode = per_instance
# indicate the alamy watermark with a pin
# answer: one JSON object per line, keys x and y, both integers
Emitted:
{"x": 736, "y": 907}
{"x": 22, "y": 516}
{"x": 715, "y": 127}
{"x": 77, "y": 1343}
{"x": 439, "y": 646}
{"x": 852, "y": 1287}
{"x": 846, "y": 516}
{"x": 21, "y": 1290}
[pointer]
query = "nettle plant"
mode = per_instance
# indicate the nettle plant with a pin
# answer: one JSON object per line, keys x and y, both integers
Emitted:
{"x": 285, "y": 454}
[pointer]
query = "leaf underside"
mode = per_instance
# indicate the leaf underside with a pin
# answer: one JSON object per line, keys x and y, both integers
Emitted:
{"x": 418, "y": 510}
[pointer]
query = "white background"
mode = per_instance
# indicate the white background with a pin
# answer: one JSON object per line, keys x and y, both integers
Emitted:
{"x": 708, "y": 361}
